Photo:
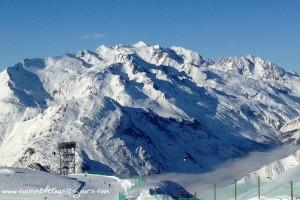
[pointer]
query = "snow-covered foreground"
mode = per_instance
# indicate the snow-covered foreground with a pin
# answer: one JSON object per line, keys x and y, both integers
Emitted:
{"x": 35, "y": 185}
{"x": 280, "y": 188}
{"x": 27, "y": 184}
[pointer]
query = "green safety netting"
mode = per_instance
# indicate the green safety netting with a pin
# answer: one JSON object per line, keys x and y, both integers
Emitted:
{"x": 122, "y": 196}
{"x": 234, "y": 191}
{"x": 253, "y": 190}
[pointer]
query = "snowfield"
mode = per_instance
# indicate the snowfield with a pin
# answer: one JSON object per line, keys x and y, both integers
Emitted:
{"x": 27, "y": 184}
{"x": 16, "y": 183}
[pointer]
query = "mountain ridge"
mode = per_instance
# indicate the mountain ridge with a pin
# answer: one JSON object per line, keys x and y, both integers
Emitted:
{"x": 143, "y": 108}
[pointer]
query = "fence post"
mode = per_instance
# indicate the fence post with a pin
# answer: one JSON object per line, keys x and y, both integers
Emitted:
{"x": 122, "y": 196}
{"x": 215, "y": 191}
{"x": 292, "y": 191}
{"x": 258, "y": 184}
{"x": 235, "y": 190}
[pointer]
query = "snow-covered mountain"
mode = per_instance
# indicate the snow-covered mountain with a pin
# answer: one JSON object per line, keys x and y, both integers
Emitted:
{"x": 146, "y": 109}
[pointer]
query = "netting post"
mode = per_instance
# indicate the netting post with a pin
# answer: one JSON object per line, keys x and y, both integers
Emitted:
{"x": 258, "y": 184}
{"x": 292, "y": 191}
{"x": 122, "y": 196}
{"x": 215, "y": 191}
{"x": 235, "y": 190}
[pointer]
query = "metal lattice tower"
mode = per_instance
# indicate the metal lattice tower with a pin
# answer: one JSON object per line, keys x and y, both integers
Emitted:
{"x": 66, "y": 157}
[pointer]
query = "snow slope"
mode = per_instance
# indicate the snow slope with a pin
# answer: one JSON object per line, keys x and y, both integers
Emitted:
{"x": 290, "y": 134}
{"x": 145, "y": 109}
{"x": 278, "y": 188}
{"x": 16, "y": 183}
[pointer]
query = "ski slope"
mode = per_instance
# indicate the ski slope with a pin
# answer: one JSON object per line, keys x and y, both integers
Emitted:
{"x": 95, "y": 187}
{"x": 26, "y": 184}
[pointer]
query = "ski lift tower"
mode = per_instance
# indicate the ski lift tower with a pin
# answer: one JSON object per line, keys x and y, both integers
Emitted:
{"x": 66, "y": 157}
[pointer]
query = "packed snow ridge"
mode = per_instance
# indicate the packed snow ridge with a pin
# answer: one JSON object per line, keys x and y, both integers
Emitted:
{"x": 145, "y": 109}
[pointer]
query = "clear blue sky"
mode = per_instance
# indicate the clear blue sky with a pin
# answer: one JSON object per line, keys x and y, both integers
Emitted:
{"x": 37, "y": 28}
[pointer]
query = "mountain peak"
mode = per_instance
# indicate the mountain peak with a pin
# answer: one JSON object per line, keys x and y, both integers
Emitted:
{"x": 140, "y": 44}
{"x": 250, "y": 66}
